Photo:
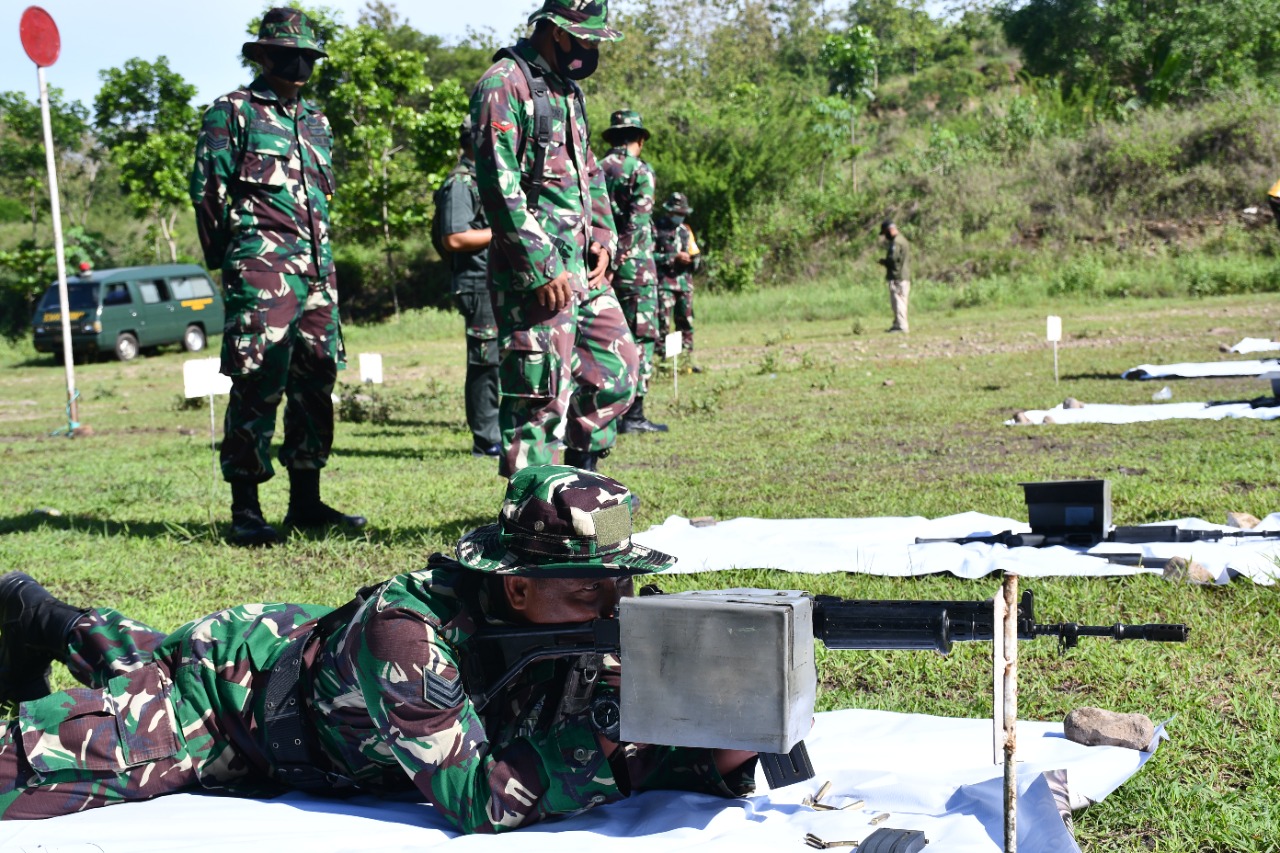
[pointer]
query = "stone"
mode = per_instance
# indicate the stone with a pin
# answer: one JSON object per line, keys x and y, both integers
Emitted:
{"x": 1180, "y": 570}
{"x": 888, "y": 383}
{"x": 1048, "y": 419}
{"x": 82, "y": 431}
{"x": 1242, "y": 520}
{"x": 702, "y": 521}
{"x": 1021, "y": 418}
{"x": 1072, "y": 403}
{"x": 1098, "y": 727}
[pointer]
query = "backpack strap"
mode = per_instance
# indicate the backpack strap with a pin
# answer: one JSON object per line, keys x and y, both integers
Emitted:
{"x": 540, "y": 93}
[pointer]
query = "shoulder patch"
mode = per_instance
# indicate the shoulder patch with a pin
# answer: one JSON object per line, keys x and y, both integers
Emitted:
{"x": 217, "y": 141}
{"x": 442, "y": 692}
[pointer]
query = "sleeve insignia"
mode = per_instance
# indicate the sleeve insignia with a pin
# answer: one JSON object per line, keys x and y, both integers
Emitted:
{"x": 216, "y": 142}
{"x": 503, "y": 126}
{"x": 442, "y": 692}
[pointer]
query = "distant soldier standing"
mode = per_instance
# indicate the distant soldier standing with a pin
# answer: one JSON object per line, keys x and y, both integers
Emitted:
{"x": 1273, "y": 199}
{"x": 678, "y": 257}
{"x": 261, "y": 186}
{"x": 567, "y": 361}
{"x": 635, "y": 279}
{"x": 896, "y": 273}
{"x": 465, "y": 234}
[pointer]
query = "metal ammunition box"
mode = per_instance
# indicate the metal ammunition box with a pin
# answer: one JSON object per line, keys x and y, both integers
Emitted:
{"x": 731, "y": 669}
{"x": 1077, "y": 511}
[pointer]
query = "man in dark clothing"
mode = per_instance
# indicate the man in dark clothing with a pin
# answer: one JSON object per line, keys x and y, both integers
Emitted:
{"x": 896, "y": 273}
{"x": 466, "y": 235}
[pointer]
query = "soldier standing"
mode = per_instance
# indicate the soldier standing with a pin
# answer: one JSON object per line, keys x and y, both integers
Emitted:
{"x": 370, "y": 698}
{"x": 567, "y": 361}
{"x": 897, "y": 273}
{"x": 465, "y": 234}
{"x": 631, "y": 188}
{"x": 678, "y": 257}
{"x": 261, "y": 187}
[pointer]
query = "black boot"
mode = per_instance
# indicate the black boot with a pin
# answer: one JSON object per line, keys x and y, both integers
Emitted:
{"x": 584, "y": 459}
{"x": 33, "y": 633}
{"x": 635, "y": 421}
{"x": 248, "y": 528}
{"x": 307, "y": 510}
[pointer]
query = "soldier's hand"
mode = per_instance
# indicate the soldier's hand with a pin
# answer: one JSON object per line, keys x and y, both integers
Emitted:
{"x": 684, "y": 258}
{"x": 555, "y": 294}
{"x": 595, "y": 278}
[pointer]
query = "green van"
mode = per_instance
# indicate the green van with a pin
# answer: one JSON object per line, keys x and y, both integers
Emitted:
{"x": 130, "y": 309}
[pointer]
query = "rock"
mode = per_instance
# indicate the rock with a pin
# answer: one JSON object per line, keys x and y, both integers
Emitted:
{"x": 888, "y": 383}
{"x": 186, "y": 431}
{"x": 1097, "y": 727}
{"x": 703, "y": 521}
{"x": 1224, "y": 347}
{"x": 1048, "y": 419}
{"x": 82, "y": 431}
{"x": 1242, "y": 520}
{"x": 1179, "y": 570}
{"x": 1021, "y": 418}
{"x": 1072, "y": 403}
{"x": 47, "y": 510}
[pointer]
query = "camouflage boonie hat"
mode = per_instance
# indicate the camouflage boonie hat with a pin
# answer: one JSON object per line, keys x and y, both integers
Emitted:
{"x": 466, "y": 130}
{"x": 285, "y": 27}
{"x": 625, "y": 120}
{"x": 677, "y": 203}
{"x": 586, "y": 19}
{"x": 561, "y": 522}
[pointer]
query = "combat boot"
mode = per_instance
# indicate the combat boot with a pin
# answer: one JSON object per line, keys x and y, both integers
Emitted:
{"x": 635, "y": 421}
{"x": 248, "y": 528}
{"x": 585, "y": 459}
{"x": 307, "y": 510}
{"x": 33, "y": 634}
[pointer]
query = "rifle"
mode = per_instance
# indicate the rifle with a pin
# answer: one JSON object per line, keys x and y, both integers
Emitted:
{"x": 735, "y": 669}
{"x": 1173, "y": 533}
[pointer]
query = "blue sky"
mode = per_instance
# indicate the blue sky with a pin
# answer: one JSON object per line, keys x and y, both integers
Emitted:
{"x": 201, "y": 40}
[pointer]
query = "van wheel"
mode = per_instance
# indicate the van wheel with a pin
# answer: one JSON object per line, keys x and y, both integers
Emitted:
{"x": 126, "y": 347}
{"x": 193, "y": 339}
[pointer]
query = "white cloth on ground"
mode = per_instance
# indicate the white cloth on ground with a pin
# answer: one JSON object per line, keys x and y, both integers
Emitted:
{"x": 1249, "y": 345}
{"x": 928, "y": 773}
{"x": 887, "y": 546}
{"x": 1202, "y": 369}
{"x": 1109, "y": 413}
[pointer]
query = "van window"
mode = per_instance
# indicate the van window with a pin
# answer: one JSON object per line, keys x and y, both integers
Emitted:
{"x": 80, "y": 297}
{"x": 151, "y": 291}
{"x": 117, "y": 294}
{"x": 190, "y": 288}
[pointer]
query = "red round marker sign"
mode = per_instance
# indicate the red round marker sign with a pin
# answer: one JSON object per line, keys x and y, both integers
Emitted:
{"x": 40, "y": 36}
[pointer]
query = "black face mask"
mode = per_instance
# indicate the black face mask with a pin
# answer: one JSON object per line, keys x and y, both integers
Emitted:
{"x": 289, "y": 63}
{"x": 578, "y": 62}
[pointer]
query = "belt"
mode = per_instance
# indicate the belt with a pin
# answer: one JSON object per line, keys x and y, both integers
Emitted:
{"x": 288, "y": 732}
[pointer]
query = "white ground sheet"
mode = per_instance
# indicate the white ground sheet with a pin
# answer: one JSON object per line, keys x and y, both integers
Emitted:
{"x": 886, "y": 546}
{"x": 929, "y": 773}
{"x": 1249, "y": 345}
{"x": 1202, "y": 369}
{"x": 1110, "y": 413}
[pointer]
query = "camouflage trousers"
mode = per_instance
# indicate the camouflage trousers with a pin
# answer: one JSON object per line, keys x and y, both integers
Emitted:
{"x": 563, "y": 377}
{"x": 481, "y": 389}
{"x": 282, "y": 340}
{"x": 159, "y": 714}
{"x": 676, "y": 306}
{"x": 639, "y": 301}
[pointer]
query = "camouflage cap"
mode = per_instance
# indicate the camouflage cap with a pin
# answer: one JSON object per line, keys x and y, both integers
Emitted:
{"x": 677, "y": 203}
{"x": 624, "y": 120}
{"x": 586, "y": 19}
{"x": 466, "y": 130}
{"x": 286, "y": 27}
{"x": 561, "y": 522}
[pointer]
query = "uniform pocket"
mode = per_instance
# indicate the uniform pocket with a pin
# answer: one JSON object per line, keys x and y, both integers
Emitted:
{"x": 264, "y": 168}
{"x": 100, "y": 732}
{"x": 528, "y": 366}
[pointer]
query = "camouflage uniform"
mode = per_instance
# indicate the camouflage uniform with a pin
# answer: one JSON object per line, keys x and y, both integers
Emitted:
{"x": 897, "y": 274}
{"x": 461, "y": 211}
{"x": 675, "y": 280}
{"x": 563, "y": 376}
{"x": 631, "y": 186}
{"x": 381, "y": 690}
{"x": 261, "y": 187}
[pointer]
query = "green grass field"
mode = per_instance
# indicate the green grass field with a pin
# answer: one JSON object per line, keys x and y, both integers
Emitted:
{"x": 805, "y": 408}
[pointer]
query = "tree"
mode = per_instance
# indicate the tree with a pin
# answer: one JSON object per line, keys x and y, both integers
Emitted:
{"x": 22, "y": 155}
{"x": 906, "y": 36}
{"x": 144, "y": 117}
{"x": 850, "y": 59}
{"x": 369, "y": 90}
